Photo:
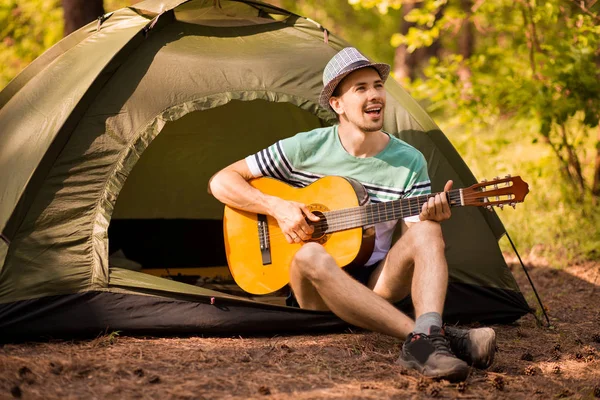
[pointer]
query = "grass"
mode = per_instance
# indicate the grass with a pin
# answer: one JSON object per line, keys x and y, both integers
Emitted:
{"x": 551, "y": 223}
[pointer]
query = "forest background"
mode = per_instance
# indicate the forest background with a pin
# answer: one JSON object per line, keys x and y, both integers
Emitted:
{"x": 514, "y": 84}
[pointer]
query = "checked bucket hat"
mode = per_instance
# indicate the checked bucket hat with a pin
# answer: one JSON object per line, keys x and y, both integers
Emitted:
{"x": 340, "y": 65}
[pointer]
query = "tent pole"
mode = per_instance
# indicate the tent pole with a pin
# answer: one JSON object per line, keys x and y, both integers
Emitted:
{"x": 530, "y": 281}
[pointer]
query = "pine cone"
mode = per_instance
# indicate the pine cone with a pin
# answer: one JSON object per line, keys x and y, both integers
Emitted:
{"x": 422, "y": 384}
{"x": 556, "y": 369}
{"x": 434, "y": 390}
{"x": 462, "y": 387}
{"x": 498, "y": 382}
{"x": 530, "y": 370}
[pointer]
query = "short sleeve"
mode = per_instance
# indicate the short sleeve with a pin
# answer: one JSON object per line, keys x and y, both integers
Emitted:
{"x": 419, "y": 182}
{"x": 274, "y": 161}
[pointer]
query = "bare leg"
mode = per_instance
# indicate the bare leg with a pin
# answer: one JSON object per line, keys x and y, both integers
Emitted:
{"x": 319, "y": 284}
{"x": 418, "y": 256}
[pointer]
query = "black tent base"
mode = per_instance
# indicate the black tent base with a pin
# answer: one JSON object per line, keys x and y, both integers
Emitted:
{"x": 93, "y": 313}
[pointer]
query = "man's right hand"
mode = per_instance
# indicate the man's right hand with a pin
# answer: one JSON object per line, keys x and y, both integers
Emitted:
{"x": 291, "y": 217}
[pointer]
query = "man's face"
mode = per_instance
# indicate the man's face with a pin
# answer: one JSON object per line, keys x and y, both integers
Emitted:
{"x": 361, "y": 100}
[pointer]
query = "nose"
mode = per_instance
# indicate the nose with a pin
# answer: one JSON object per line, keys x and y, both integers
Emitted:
{"x": 374, "y": 94}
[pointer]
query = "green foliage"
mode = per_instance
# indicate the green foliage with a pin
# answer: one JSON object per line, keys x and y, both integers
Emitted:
{"x": 531, "y": 85}
{"x": 532, "y": 61}
{"x": 367, "y": 29}
{"x": 550, "y": 222}
{"x": 107, "y": 339}
{"x": 27, "y": 28}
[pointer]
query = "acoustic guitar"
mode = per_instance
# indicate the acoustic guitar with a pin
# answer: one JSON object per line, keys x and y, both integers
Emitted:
{"x": 259, "y": 255}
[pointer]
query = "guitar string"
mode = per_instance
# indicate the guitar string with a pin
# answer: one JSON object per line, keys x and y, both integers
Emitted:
{"x": 356, "y": 214}
{"x": 348, "y": 218}
{"x": 351, "y": 215}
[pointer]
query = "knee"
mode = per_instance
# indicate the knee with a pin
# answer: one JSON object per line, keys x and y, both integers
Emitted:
{"x": 427, "y": 235}
{"x": 311, "y": 261}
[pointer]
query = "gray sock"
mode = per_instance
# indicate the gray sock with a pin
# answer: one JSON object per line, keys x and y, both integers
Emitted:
{"x": 426, "y": 321}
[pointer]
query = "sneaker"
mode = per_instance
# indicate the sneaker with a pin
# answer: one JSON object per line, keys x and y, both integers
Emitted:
{"x": 431, "y": 356}
{"x": 475, "y": 346}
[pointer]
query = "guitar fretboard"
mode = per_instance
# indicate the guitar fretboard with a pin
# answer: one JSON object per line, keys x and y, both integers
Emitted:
{"x": 370, "y": 214}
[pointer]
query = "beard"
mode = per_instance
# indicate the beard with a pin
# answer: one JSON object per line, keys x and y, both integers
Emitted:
{"x": 365, "y": 124}
{"x": 371, "y": 126}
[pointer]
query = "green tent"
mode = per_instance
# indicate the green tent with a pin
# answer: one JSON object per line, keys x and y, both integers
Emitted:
{"x": 107, "y": 142}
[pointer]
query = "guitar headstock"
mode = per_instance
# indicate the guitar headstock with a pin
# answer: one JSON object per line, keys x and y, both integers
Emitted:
{"x": 497, "y": 192}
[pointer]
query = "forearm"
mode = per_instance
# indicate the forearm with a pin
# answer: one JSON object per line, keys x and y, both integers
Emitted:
{"x": 230, "y": 188}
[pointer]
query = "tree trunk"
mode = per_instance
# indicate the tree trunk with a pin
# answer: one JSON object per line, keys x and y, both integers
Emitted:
{"x": 404, "y": 62}
{"x": 466, "y": 39}
{"x": 78, "y": 13}
{"x": 596, "y": 182}
{"x": 409, "y": 65}
{"x": 466, "y": 43}
{"x": 572, "y": 160}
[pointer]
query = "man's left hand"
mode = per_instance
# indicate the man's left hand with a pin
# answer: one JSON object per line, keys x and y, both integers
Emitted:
{"x": 437, "y": 208}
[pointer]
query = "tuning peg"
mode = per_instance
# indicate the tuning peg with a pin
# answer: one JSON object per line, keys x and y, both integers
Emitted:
{"x": 514, "y": 205}
{"x": 501, "y": 206}
{"x": 490, "y": 208}
{"x": 483, "y": 180}
{"x": 507, "y": 176}
{"x": 496, "y": 178}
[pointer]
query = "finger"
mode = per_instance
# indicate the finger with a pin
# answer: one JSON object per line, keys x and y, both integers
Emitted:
{"x": 424, "y": 212}
{"x": 308, "y": 213}
{"x": 294, "y": 237}
{"x": 301, "y": 234}
{"x": 289, "y": 238}
{"x": 307, "y": 228}
{"x": 445, "y": 205}
{"x": 303, "y": 229}
{"x": 448, "y": 186}
{"x": 306, "y": 232}
{"x": 438, "y": 204}
{"x": 431, "y": 207}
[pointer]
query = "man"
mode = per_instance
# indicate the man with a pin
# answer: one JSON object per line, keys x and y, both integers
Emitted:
{"x": 389, "y": 169}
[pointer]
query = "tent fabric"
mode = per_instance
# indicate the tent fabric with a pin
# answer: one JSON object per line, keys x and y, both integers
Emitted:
{"x": 96, "y": 311}
{"x": 64, "y": 82}
{"x": 128, "y": 119}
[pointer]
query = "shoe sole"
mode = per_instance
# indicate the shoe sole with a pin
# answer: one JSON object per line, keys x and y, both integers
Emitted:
{"x": 453, "y": 376}
{"x": 483, "y": 354}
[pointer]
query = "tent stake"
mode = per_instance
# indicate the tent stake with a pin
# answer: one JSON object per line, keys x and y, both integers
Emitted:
{"x": 530, "y": 281}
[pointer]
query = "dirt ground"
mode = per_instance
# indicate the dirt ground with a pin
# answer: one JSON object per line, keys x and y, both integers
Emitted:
{"x": 532, "y": 362}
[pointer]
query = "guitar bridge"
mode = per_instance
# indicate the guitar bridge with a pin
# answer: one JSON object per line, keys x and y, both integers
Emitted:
{"x": 263, "y": 238}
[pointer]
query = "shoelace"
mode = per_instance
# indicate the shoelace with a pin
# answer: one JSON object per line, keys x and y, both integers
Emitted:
{"x": 460, "y": 347}
{"x": 440, "y": 342}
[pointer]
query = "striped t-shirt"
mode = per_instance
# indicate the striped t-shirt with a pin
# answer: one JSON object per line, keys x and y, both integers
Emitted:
{"x": 398, "y": 171}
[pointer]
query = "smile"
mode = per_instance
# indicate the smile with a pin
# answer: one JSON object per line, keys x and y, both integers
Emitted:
{"x": 374, "y": 110}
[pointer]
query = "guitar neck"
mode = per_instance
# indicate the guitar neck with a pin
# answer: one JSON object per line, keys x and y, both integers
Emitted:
{"x": 370, "y": 214}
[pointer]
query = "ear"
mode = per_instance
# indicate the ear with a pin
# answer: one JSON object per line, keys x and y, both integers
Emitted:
{"x": 336, "y": 104}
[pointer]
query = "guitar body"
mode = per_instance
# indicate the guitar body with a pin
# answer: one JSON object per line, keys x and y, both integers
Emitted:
{"x": 258, "y": 271}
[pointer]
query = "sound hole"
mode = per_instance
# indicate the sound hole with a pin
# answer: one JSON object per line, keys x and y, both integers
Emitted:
{"x": 320, "y": 226}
